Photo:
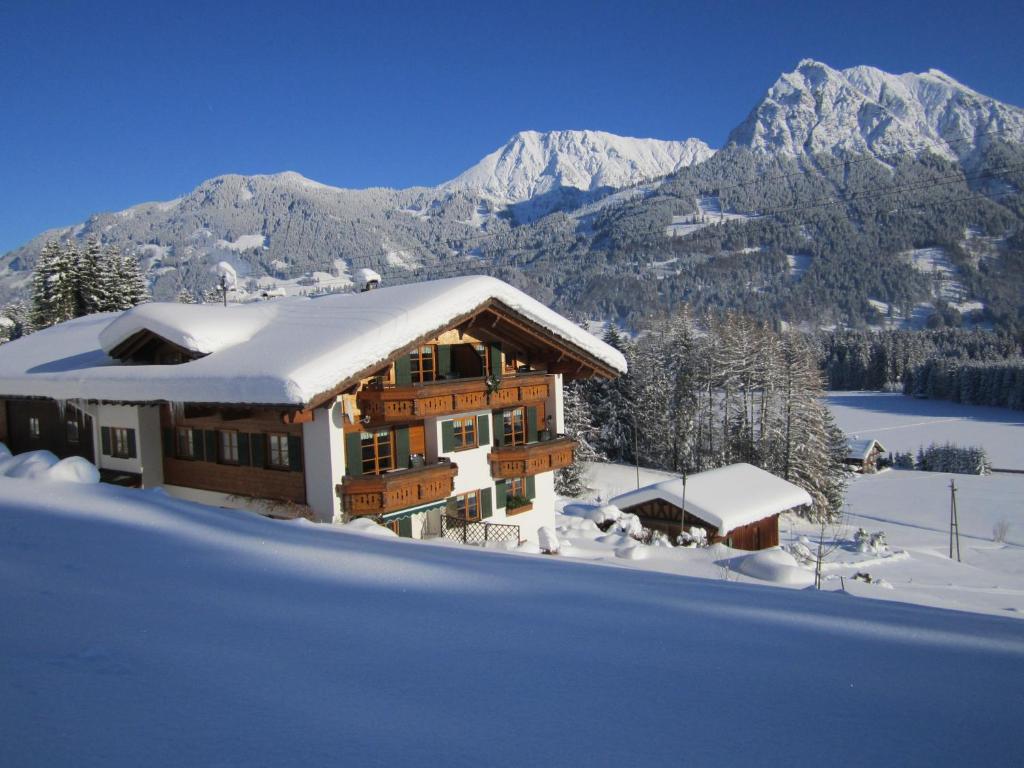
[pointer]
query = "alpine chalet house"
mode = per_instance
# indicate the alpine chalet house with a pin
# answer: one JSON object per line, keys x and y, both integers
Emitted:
{"x": 421, "y": 406}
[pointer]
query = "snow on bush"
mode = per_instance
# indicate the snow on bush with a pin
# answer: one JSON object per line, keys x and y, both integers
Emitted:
{"x": 607, "y": 513}
{"x": 28, "y": 465}
{"x": 628, "y": 524}
{"x": 870, "y": 542}
{"x": 548, "y": 540}
{"x": 775, "y": 565}
{"x": 73, "y": 469}
{"x": 695, "y": 537}
{"x": 5, "y": 452}
{"x": 634, "y": 551}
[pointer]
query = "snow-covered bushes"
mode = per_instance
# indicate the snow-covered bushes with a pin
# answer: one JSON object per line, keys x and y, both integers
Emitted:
{"x": 43, "y": 465}
{"x": 548, "y": 540}
{"x": 969, "y": 460}
{"x": 870, "y": 542}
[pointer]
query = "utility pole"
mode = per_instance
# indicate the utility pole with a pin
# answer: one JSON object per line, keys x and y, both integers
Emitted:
{"x": 954, "y": 522}
{"x": 682, "y": 510}
{"x": 636, "y": 450}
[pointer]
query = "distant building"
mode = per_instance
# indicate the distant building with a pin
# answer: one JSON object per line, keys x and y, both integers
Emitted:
{"x": 738, "y": 505}
{"x": 863, "y": 455}
{"x": 421, "y": 406}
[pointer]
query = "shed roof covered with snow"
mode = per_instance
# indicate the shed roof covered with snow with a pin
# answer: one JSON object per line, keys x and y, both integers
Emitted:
{"x": 860, "y": 449}
{"x": 727, "y": 497}
{"x": 286, "y": 352}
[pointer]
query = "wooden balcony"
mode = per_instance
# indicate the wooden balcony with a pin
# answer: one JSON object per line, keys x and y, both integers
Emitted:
{"x": 408, "y": 402}
{"x": 397, "y": 490}
{"x": 532, "y": 458}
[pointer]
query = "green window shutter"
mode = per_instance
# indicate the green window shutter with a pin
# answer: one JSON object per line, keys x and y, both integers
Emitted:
{"x": 353, "y": 454}
{"x": 444, "y": 360}
{"x": 496, "y": 360}
{"x": 403, "y": 370}
{"x": 486, "y": 510}
{"x": 168, "y": 443}
{"x": 499, "y": 427}
{"x": 483, "y": 431}
{"x": 531, "y": 424}
{"x": 243, "y": 450}
{"x": 447, "y": 436}
{"x": 294, "y": 453}
{"x": 105, "y": 440}
{"x": 132, "y": 451}
{"x": 405, "y": 527}
{"x": 210, "y": 440}
{"x": 531, "y": 487}
{"x": 401, "y": 448}
{"x": 502, "y": 493}
{"x": 259, "y": 450}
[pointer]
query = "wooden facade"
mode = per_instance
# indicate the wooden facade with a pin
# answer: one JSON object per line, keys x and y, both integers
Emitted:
{"x": 37, "y": 424}
{"x": 661, "y": 515}
{"x": 391, "y": 404}
{"x": 250, "y": 474}
{"x": 393, "y": 491}
{"x": 532, "y": 458}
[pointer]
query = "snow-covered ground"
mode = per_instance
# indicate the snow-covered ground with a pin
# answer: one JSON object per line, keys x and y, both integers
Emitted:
{"x": 902, "y": 423}
{"x": 142, "y": 630}
{"x": 709, "y": 211}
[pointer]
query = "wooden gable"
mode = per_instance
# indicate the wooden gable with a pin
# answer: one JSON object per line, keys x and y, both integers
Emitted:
{"x": 148, "y": 348}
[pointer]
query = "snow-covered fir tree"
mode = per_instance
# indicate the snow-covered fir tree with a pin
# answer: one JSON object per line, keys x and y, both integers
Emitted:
{"x": 88, "y": 268}
{"x": 53, "y": 285}
{"x": 579, "y": 425}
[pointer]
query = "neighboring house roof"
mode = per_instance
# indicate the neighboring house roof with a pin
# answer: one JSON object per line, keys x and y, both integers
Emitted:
{"x": 727, "y": 498}
{"x": 860, "y": 449}
{"x": 283, "y": 352}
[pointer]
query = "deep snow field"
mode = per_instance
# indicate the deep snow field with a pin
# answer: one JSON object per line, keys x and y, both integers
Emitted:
{"x": 903, "y": 423}
{"x": 139, "y": 630}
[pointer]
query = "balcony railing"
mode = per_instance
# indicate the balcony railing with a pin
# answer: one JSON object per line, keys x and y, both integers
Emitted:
{"x": 510, "y": 461}
{"x": 397, "y": 490}
{"x": 397, "y": 404}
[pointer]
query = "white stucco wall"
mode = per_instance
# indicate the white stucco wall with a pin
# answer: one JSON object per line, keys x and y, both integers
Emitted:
{"x": 124, "y": 417}
{"x": 150, "y": 446}
{"x": 323, "y": 455}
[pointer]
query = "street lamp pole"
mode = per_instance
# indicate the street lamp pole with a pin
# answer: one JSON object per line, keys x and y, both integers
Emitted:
{"x": 636, "y": 450}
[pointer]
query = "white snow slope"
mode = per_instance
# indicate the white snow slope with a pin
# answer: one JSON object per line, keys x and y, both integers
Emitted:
{"x": 817, "y": 109}
{"x": 533, "y": 163}
{"x": 142, "y": 630}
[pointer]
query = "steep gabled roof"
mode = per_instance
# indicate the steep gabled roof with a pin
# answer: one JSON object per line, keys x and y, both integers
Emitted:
{"x": 860, "y": 448}
{"x": 294, "y": 352}
{"x": 727, "y": 497}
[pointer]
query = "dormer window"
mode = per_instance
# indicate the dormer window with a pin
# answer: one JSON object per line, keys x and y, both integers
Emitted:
{"x": 148, "y": 348}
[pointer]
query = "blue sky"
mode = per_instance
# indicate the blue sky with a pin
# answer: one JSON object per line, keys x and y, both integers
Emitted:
{"x": 108, "y": 104}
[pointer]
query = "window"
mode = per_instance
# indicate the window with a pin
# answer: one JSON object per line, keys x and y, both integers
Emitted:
{"x": 378, "y": 452}
{"x": 120, "y": 446}
{"x": 465, "y": 432}
{"x": 515, "y": 426}
{"x": 72, "y": 430}
{"x": 423, "y": 364}
{"x": 185, "y": 443}
{"x": 277, "y": 451}
{"x": 228, "y": 447}
{"x": 483, "y": 351}
{"x": 33, "y": 427}
{"x": 517, "y": 487}
{"x": 467, "y": 505}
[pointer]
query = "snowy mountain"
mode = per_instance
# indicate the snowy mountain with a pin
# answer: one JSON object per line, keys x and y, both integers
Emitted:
{"x": 862, "y": 110}
{"x": 532, "y": 164}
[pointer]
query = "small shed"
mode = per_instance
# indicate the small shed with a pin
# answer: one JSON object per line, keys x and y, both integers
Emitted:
{"x": 738, "y": 505}
{"x": 863, "y": 454}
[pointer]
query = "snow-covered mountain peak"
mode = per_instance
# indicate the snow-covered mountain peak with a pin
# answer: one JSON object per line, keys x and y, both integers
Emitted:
{"x": 864, "y": 110}
{"x": 533, "y": 163}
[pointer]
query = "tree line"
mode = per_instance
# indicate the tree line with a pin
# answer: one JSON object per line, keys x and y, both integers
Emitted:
{"x": 70, "y": 282}
{"x": 737, "y": 391}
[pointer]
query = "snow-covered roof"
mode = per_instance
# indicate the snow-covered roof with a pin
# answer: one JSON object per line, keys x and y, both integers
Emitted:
{"x": 860, "y": 448}
{"x": 727, "y": 497}
{"x": 285, "y": 352}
